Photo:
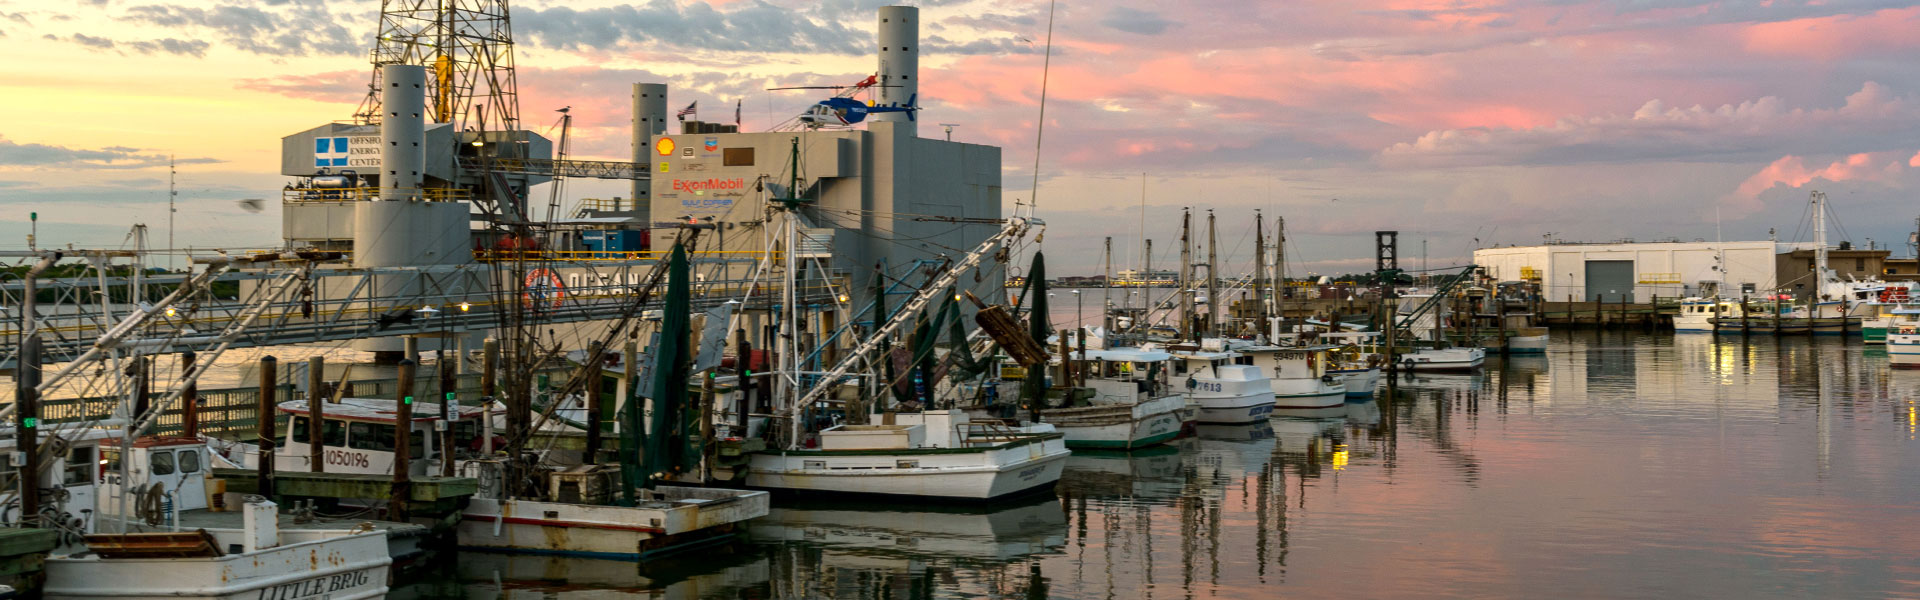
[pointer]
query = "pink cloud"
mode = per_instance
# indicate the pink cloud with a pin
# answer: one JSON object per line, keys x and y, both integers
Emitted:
{"x": 1834, "y": 37}
{"x": 1792, "y": 172}
{"x": 1915, "y": 161}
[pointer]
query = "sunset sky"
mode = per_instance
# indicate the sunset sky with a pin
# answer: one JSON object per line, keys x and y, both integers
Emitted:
{"x": 1458, "y": 122}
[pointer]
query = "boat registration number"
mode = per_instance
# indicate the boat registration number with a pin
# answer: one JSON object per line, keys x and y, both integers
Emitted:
{"x": 346, "y": 459}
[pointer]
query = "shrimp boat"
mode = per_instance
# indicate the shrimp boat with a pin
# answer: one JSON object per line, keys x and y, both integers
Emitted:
{"x": 1356, "y": 361}
{"x": 1302, "y": 377}
{"x": 1227, "y": 391}
{"x": 360, "y": 435}
{"x": 893, "y": 450}
{"x": 1903, "y": 341}
{"x": 1125, "y": 402}
{"x": 160, "y": 483}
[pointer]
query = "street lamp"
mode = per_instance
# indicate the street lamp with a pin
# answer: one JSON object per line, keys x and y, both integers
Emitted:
{"x": 1078, "y": 321}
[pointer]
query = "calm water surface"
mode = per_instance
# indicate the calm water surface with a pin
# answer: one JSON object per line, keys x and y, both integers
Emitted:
{"x": 1617, "y": 466}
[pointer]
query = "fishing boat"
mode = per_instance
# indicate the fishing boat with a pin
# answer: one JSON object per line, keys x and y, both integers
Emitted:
{"x": 1302, "y": 377}
{"x": 934, "y": 454}
{"x": 1356, "y": 361}
{"x": 159, "y": 485}
{"x": 1228, "y": 392}
{"x": 359, "y": 435}
{"x": 1444, "y": 359}
{"x": 1696, "y": 314}
{"x": 1126, "y": 402}
{"x": 1903, "y": 345}
{"x": 260, "y": 560}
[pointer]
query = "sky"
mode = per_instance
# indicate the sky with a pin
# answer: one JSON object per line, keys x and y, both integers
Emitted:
{"x": 1459, "y": 123}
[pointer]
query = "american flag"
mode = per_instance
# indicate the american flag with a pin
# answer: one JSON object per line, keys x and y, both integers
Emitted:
{"x": 689, "y": 110}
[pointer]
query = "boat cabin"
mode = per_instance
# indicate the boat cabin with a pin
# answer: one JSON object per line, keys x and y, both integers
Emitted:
{"x": 359, "y": 435}
{"x": 74, "y": 473}
{"x": 1279, "y": 362}
{"x": 1126, "y": 376}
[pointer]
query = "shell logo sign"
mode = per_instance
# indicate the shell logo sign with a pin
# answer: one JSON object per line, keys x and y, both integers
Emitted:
{"x": 664, "y": 146}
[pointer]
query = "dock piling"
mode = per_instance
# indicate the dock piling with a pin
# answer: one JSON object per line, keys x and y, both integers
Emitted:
{"x": 263, "y": 414}
{"x": 402, "y": 446}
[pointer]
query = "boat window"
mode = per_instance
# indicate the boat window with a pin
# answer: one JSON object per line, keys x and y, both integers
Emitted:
{"x": 80, "y": 466}
{"x": 109, "y": 460}
{"x": 370, "y": 436}
{"x": 1180, "y": 368}
{"x": 466, "y": 434}
{"x": 189, "y": 461}
{"x": 161, "y": 462}
{"x": 906, "y": 464}
{"x": 332, "y": 432}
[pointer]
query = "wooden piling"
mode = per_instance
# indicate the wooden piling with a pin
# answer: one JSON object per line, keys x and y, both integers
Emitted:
{"x": 447, "y": 394}
{"x": 591, "y": 370}
{"x": 263, "y": 414}
{"x": 316, "y": 412}
{"x": 26, "y": 423}
{"x": 402, "y": 446}
{"x": 189, "y": 396}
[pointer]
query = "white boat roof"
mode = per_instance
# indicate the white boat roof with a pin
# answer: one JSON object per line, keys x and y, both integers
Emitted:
{"x": 380, "y": 409}
{"x": 1126, "y": 355}
{"x": 1905, "y": 310}
{"x": 1201, "y": 354}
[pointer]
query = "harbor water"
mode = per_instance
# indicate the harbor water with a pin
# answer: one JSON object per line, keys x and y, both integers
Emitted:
{"x": 1618, "y": 465}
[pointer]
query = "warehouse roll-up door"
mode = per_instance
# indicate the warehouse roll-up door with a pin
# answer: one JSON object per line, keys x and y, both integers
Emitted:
{"x": 1609, "y": 280}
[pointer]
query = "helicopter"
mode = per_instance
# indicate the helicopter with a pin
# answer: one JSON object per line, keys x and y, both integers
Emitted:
{"x": 843, "y": 110}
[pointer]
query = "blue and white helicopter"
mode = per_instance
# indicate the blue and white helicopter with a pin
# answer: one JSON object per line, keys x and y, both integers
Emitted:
{"x": 843, "y": 110}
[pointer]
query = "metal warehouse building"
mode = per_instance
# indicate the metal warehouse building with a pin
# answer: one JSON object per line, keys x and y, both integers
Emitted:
{"x": 1636, "y": 272}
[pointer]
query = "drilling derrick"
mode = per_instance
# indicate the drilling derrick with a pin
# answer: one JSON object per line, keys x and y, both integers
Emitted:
{"x": 467, "y": 48}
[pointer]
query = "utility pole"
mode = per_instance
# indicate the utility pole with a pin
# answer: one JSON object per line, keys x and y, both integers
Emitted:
{"x": 1186, "y": 274}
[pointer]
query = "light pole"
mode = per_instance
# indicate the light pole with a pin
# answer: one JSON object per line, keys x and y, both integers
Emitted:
{"x": 1078, "y": 320}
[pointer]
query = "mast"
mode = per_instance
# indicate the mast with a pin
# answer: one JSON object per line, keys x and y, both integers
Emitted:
{"x": 1106, "y": 301}
{"x": 1213, "y": 280}
{"x": 1260, "y": 266}
{"x": 1280, "y": 267}
{"x": 1146, "y": 287}
{"x": 1820, "y": 245}
{"x": 1186, "y": 273}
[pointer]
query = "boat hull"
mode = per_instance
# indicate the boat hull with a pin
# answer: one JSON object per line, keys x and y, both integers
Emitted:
{"x": 947, "y": 474}
{"x": 681, "y": 518}
{"x": 337, "y": 568}
{"x": 1903, "y": 351}
{"x": 1118, "y": 426}
{"x": 1227, "y": 410}
{"x": 1450, "y": 360}
{"x": 1527, "y": 344}
{"x": 1360, "y": 382}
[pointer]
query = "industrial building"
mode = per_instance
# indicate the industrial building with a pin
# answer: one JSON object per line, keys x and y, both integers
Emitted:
{"x": 1636, "y": 272}
{"x": 417, "y": 182}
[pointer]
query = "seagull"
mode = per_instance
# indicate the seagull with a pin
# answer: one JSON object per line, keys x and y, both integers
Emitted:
{"x": 563, "y": 109}
{"x": 252, "y": 205}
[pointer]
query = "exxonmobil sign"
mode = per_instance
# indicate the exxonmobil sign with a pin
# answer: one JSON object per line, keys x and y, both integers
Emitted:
{"x": 709, "y": 184}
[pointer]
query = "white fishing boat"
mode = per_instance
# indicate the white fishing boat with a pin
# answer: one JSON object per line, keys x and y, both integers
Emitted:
{"x": 1227, "y": 392}
{"x": 939, "y": 454}
{"x": 256, "y": 553}
{"x": 1444, "y": 359}
{"x": 1130, "y": 403}
{"x": 1696, "y": 314}
{"x": 666, "y": 519}
{"x": 1528, "y": 340}
{"x": 359, "y": 436}
{"x": 1357, "y": 361}
{"x": 1903, "y": 345}
{"x": 258, "y": 561}
{"x": 1301, "y": 377}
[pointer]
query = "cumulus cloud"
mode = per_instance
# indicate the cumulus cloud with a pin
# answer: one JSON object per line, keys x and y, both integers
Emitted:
{"x": 1872, "y": 119}
{"x": 1136, "y": 21}
{"x": 14, "y": 154}
{"x": 302, "y": 29}
{"x": 1792, "y": 172}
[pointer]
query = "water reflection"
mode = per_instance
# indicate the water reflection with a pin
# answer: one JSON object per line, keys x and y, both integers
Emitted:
{"x": 1615, "y": 465}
